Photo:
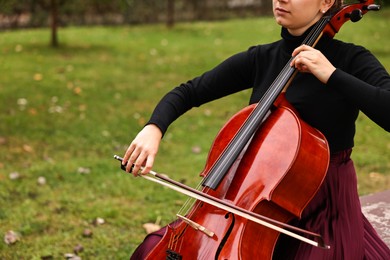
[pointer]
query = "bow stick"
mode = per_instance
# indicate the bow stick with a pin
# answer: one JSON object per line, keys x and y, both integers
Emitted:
{"x": 257, "y": 218}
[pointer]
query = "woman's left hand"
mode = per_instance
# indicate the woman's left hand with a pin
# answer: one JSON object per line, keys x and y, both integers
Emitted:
{"x": 310, "y": 60}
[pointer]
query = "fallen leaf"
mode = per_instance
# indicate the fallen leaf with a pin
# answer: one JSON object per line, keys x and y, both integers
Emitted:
{"x": 18, "y": 48}
{"x": 32, "y": 111}
{"x": 98, "y": 221}
{"x": 376, "y": 176}
{"x": 3, "y": 140}
{"x": 70, "y": 85}
{"x": 27, "y": 148}
{"x": 141, "y": 121}
{"x": 41, "y": 180}
{"x": 84, "y": 170}
{"x": 196, "y": 149}
{"x": 151, "y": 227}
{"x": 207, "y": 112}
{"x": 78, "y": 249}
{"x": 14, "y": 175}
{"x": 22, "y": 101}
{"x": 11, "y": 237}
{"x": 38, "y": 77}
{"x": 87, "y": 233}
{"x": 77, "y": 90}
{"x": 82, "y": 107}
{"x": 70, "y": 256}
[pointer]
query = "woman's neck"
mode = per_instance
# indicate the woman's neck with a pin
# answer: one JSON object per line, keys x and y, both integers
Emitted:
{"x": 302, "y": 29}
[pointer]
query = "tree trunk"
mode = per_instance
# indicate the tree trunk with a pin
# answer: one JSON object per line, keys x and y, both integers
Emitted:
{"x": 199, "y": 9}
{"x": 54, "y": 22}
{"x": 170, "y": 13}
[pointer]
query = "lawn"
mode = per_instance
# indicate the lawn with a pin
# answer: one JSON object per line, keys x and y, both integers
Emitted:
{"x": 65, "y": 112}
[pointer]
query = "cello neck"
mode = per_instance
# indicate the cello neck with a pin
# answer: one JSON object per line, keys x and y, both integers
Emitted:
{"x": 329, "y": 25}
{"x": 258, "y": 115}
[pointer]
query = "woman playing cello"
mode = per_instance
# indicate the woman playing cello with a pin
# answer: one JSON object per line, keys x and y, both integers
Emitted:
{"x": 335, "y": 81}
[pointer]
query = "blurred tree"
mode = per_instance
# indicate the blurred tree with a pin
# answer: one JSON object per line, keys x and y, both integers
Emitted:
{"x": 170, "y": 13}
{"x": 35, "y": 13}
{"x": 267, "y": 5}
{"x": 54, "y": 22}
{"x": 50, "y": 8}
{"x": 200, "y": 9}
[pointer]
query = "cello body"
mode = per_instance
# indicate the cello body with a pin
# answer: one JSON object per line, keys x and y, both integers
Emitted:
{"x": 265, "y": 160}
{"x": 278, "y": 173}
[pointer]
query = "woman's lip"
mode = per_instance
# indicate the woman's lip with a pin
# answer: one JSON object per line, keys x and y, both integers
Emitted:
{"x": 278, "y": 9}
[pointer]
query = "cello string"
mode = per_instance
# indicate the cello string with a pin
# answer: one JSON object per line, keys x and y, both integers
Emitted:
{"x": 184, "y": 211}
{"x": 273, "y": 91}
{"x": 247, "y": 130}
{"x": 283, "y": 76}
{"x": 241, "y": 212}
{"x": 190, "y": 202}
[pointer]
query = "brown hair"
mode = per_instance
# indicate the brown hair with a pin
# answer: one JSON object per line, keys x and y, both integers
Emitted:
{"x": 336, "y": 6}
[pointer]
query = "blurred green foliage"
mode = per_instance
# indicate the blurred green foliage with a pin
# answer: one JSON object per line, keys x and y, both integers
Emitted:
{"x": 65, "y": 112}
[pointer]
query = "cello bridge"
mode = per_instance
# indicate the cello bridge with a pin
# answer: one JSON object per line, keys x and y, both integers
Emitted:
{"x": 196, "y": 226}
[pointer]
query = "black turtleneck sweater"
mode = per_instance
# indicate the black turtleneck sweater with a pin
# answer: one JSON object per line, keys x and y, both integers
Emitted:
{"x": 360, "y": 82}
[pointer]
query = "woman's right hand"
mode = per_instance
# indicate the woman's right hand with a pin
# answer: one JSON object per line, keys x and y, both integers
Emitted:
{"x": 143, "y": 150}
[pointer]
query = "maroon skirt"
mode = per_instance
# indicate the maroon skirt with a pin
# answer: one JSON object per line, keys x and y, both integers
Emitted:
{"x": 334, "y": 212}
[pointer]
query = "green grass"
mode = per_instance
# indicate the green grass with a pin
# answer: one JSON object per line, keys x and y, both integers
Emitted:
{"x": 86, "y": 101}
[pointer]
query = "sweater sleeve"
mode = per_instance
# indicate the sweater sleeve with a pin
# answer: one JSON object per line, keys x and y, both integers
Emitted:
{"x": 232, "y": 75}
{"x": 366, "y": 85}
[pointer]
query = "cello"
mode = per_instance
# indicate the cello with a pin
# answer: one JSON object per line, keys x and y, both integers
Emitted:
{"x": 241, "y": 170}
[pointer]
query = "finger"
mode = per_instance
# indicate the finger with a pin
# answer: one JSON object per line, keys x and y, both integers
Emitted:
{"x": 298, "y": 59}
{"x": 138, "y": 164}
{"x": 133, "y": 156}
{"x": 293, "y": 63}
{"x": 148, "y": 165}
{"x": 131, "y": 161}
{"x": 298, "y": 62}
{"x": 296, "y": 51}
{"x": 128, "y": 152}
{"x": 302, "y": 49}
{"x": 301, "y": 64}
{"x": 304, "y": 68}
{"x": 299, "y": 49}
